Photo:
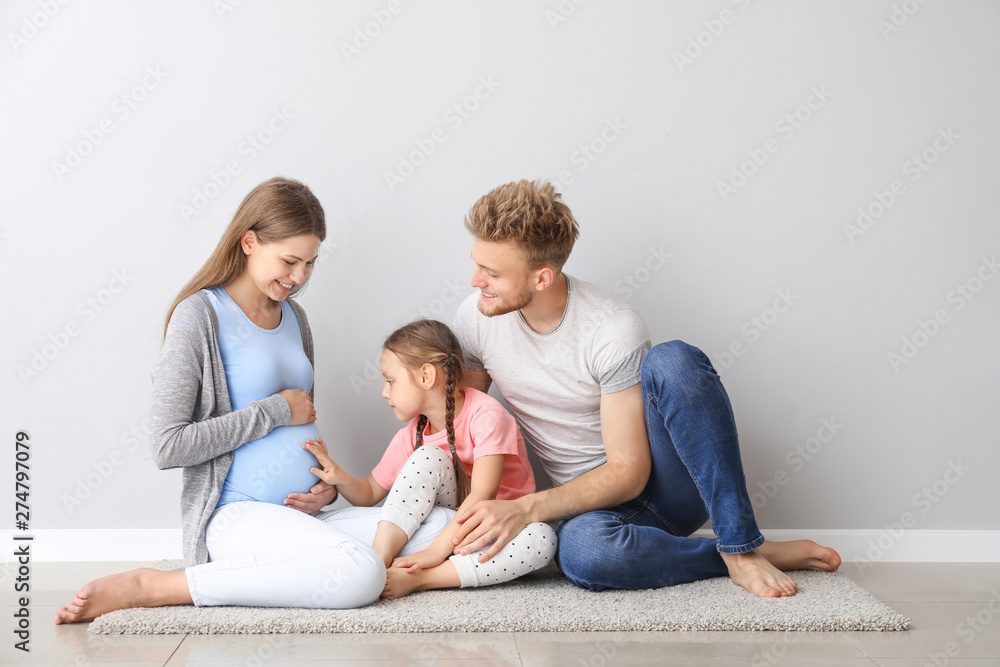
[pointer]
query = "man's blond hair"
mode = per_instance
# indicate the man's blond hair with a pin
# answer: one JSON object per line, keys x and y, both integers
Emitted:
{"x": 529, "y": 214}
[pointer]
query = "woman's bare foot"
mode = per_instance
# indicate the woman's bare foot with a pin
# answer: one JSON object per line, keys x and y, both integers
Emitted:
{"x": 136, "y": 588}
{"x": 752, "y": 571}
{"x": 800, "y": 555}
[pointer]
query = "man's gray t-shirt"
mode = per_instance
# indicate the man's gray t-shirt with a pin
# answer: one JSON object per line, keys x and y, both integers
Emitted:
{"x": 553, "y": 382}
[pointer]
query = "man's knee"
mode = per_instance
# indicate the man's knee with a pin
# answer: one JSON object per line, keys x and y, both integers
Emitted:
{"x": 675, "y": 365}
{"x": 672, "y": 358}
{"x": 582, "y": 552}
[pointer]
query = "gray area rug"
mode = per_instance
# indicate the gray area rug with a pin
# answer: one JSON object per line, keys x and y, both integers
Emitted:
{"x": 543, "y": 601}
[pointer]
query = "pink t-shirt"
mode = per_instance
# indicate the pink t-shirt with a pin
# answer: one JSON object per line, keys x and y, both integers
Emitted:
{"x": 482, "y": 428}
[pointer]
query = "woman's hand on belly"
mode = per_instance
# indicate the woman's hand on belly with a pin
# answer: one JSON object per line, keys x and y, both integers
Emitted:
{"x": 301, "y": 406}
{"x": 321, "y": 495}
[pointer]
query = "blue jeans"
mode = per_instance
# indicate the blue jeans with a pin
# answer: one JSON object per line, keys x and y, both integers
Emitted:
{"x": 696, "y": 474}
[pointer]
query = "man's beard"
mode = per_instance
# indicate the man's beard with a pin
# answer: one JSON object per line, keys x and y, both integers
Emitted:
{"x": 502, "y": 307}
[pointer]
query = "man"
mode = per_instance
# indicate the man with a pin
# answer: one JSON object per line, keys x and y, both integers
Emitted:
{"x": 641, "y": 443}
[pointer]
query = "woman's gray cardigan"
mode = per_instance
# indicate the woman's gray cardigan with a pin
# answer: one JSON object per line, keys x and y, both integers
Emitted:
{"x": 194, "y": 426}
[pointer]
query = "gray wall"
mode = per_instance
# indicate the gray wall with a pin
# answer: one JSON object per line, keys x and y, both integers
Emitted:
{"x": 640, "y": 110}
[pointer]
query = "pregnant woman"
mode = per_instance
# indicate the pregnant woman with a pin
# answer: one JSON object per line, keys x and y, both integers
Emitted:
{"x": 232, "y": 406}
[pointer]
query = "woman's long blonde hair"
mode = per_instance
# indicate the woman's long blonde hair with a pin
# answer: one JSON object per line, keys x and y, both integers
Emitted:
{"x": 432, "y": 342}
{"x": 277, "y": 209}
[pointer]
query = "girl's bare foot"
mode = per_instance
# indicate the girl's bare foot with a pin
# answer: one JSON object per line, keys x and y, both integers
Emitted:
{"x": 399, "y": 582}
{"x": 136, "y": 588}
{"x": 752, "y": 571}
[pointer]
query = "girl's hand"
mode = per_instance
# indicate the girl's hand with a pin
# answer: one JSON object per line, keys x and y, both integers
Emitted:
{"x": 303, "y": 411}
{"x": 328, "y": 471}
{"x": 422, "y": 560}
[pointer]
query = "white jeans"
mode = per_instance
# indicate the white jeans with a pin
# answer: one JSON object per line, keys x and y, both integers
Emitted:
{"x": 266, "y": 555}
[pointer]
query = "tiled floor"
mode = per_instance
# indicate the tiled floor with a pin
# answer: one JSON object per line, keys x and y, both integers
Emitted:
{"x": 954, "y": 607}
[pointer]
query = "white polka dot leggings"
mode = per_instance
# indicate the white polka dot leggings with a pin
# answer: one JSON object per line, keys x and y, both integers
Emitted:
{"x": 427, "y": 480}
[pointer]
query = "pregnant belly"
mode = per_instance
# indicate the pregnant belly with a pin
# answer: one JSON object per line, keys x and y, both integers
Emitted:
{"x": 270, "y": 468}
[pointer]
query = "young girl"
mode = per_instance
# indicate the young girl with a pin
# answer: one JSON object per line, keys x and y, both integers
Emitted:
{"x": 459, "y": 447}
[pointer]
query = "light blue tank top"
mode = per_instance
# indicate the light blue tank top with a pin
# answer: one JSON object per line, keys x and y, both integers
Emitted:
{"x": 259, "y": 363}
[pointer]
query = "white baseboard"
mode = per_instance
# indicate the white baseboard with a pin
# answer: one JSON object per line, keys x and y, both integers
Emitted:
{"x": 903, "y": 546}
{"x": 910, "y": 546}
{"x": 55, "y": 545}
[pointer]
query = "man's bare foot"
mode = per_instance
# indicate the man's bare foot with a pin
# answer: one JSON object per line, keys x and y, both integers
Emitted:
{"x": 800, "y": 555}
{"x": 753, "y": 572}
{"x": 136, "y": 588}
{"x": 760, "y": 571}
{"x": 399, "y": 582}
